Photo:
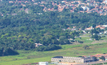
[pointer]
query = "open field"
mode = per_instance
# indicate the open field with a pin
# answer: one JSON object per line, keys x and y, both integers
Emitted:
{"x": 86, "y": 38}
{"x": 67, "y": 50}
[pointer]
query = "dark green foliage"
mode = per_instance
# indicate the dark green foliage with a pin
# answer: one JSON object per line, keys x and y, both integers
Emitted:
{"x": 95, "y": 32}
{"x": 8, "y": 51}
{"x": 105, "y": 63}
{"x": 102, "y": 57}
{"x": 95, "y": 58}
{"x": 20, "y": 30}
{"x": 80, "y": 41}
{"x": 96, "y": 37}
{"x": 86, "y": 47}
{"x": 48, "y": 48}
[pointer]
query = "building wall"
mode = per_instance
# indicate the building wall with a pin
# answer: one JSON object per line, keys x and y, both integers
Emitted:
{"x": 68, "y": 59}
{"x": 43, "y": 63}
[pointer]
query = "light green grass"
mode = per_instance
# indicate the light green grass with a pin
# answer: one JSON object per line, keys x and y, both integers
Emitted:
{"x": 67, "y": 50}
{"x": 85, "y": 39}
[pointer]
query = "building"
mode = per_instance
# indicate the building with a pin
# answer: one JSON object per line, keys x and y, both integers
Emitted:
{"x": 104, "y": 25}
{"x": 100, "y": 55}
{"x": 85, "y": 8}
{"x": 72, "y": 59}
{"x": 101, "y": 26}
{"x": 38, "y": 44}
{"x": 43, "y": 63}
{"x": 90, "y": 28}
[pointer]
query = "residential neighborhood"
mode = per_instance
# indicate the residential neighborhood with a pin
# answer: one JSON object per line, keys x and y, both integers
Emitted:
{"x": 79, "y": 6}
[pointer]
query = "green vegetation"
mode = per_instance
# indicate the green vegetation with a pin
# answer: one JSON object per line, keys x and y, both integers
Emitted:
{"x": 21, "y": 27}
{"x": 105, "y": 63}
{"x": 9, "y": 51}
{"x": 48, "y": 48}
{"x": 67, "y": 50}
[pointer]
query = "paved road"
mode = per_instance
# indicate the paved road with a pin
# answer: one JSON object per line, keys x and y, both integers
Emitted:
{"x": 90, "y": 63}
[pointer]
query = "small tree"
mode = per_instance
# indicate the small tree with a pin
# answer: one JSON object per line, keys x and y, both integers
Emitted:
{"x": 86, "y": 47}
{"x": 96, "y": 37}
{"x": 102, "y": 57}
{"x": 95, "y": 58}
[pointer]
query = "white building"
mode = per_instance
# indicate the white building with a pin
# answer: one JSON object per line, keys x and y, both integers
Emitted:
{"x": 104, "y": 25}
{"x": 43, "y": 63}
{"x": 85, "y": 8}
{"x": 38, "y": 44}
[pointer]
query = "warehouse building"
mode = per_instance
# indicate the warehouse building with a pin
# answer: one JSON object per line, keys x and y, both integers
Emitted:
{"x": 72, "y": 59}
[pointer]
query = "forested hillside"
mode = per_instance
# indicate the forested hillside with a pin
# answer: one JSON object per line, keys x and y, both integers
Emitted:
{"x": 21, "y": 27}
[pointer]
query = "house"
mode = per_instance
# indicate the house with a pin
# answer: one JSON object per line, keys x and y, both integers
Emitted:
{"x": 90, "y": 28}
{"x": 38, "y": 44}
{"x": 83, "y": 31}
{"x": 85, "y": 8}
{"x": 100, "y": 55}
{"x": 105, "y": 32}
{"x": 104, "y": 25}
{"x": 100, "y": 26}
{"x": 68, "y": 28}
{"x": 10, "y": 1}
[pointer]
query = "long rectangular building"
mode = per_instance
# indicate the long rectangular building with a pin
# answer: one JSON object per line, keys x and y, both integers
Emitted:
{"x": 72, "y": 59}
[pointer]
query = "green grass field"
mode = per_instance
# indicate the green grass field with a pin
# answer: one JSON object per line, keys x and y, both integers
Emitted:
{"x": 67, "y": 50}
{"x": 26, "y": 57}
{"x": 85, "y": 39}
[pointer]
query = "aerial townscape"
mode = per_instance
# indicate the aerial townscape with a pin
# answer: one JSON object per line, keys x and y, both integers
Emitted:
{"x": 80, "y": 6}
{"x": 53, "y": 32}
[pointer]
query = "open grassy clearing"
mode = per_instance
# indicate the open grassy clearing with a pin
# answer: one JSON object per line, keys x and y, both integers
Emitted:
{"x": 67, "y": 50}
{"x": 85, "y": 39}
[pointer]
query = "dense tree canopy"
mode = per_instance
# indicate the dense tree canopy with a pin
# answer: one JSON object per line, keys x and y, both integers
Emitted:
{"x": 21, "y": 27}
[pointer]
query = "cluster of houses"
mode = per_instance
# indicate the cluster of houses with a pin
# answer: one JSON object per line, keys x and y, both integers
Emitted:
{"x": 88, "y": 6}
{"x": 99, "y": 26}
{"x": 102, "y": 27}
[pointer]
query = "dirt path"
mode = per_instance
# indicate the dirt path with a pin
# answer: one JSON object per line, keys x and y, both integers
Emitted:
{"x": 90, "y": 63}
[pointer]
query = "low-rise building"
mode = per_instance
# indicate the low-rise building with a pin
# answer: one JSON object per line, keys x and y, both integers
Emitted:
{"x": 72, "y": 59}
{"x": 38, "y": 44}
{"x": 90, "y": 28}
{"x": 43, "y": 63}
{"x": 100, "y": 55}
